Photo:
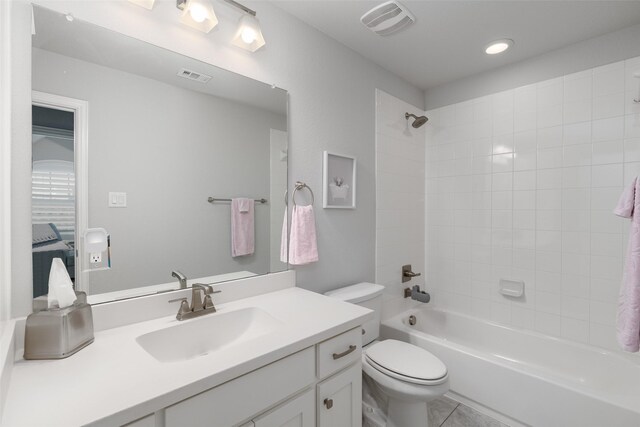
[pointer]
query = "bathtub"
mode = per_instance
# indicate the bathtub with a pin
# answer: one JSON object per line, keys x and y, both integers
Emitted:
{"x": 530, "y": 377}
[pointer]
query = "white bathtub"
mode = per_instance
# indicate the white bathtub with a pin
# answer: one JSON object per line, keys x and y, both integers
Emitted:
{"x": 530, "y": 377}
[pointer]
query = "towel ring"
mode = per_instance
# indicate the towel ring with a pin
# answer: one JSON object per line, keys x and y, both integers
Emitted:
{"x": 300, "y": 185}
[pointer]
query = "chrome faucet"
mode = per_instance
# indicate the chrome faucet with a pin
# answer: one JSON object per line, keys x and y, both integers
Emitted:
{"x": 181, "y": 278}
{"x": 198, "y": 307}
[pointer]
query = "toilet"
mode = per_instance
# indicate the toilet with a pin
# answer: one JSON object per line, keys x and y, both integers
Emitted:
{"x": 408, "y": 376}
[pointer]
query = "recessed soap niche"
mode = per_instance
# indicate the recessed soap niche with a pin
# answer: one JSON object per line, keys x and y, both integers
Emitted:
{"x": 512, "y": 288}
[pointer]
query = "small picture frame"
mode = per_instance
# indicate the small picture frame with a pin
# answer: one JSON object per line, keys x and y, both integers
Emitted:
{"x": 339, "y": 181}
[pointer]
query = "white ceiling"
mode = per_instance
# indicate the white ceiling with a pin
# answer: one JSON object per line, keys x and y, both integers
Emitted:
{"x": 447, "y": 41}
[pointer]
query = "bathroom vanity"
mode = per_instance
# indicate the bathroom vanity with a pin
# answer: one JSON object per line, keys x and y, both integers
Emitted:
{"x": 285, "y": 357}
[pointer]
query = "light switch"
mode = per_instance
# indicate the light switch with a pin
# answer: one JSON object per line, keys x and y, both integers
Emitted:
{"x": 117, "y": 200}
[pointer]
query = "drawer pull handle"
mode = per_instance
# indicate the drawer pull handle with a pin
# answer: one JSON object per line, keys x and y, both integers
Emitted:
{"x": 328, "y": 403}
{"x": 351, "y": 349}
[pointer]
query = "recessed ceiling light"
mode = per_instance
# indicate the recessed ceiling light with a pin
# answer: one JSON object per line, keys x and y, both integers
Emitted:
{"x": 498, "y": 46}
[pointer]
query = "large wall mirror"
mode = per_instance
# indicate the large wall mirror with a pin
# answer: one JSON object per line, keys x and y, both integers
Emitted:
{"x": 135, "y": 139}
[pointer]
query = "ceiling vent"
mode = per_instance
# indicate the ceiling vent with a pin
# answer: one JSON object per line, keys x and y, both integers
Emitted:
{"x": 192, "y": 75}
{"x": 388, "y": 18}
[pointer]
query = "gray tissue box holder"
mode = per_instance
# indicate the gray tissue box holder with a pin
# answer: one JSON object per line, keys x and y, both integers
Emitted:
{"x": 57, "y": 333}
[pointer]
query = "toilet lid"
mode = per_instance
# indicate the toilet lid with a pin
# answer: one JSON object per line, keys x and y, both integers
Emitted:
{"x": 407, "y": 361}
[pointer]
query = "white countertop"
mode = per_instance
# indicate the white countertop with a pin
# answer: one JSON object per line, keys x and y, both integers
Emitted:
{"x": 114, "y": 381}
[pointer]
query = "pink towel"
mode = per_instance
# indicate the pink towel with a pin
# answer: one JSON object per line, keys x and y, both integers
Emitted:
{"x": 628, "y": 325}
{"x": 303, "y": 246}
{"x": 242, "y": 237}
{"x": 283, "y": 239}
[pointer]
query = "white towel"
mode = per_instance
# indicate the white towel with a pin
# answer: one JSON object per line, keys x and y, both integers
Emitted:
{"x": 303, "y": 245}
{"x": 283, "y": 239}
{"x": 242, "y": 227}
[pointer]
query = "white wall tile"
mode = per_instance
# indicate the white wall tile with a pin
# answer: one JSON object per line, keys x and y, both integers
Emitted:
{"x": 607, "y": 175}
{"x": 550, "y": 137}
{"x": 607, "y": 152}
{"x": 525, "y": 160}
{"x": 574, "y": 112}
{"x": 549, "y": 199}
{"x": 576, "y": 177}
{"x": 606, "y": 106}
{"x": 525, "y": 141}
{"x": 632, "y": 126}
{"x": 524, "y": 200}
{"x": 576, "y": 242}
{"x": 608, "y": 79}
{"x": 527, "y": 180}
{"x": 575, "y": 220}
{"x": 502, "y": 181}
{"x": 575, "y": 330}
{"x": 550, "y": 158}
{"x": 577, "y": 87}
{"x": 549, "y": 240}
{"x": 577, "y": 155}
{"x": 549, "y": 220}
{"x": 521, "y": 184}
{"x": 548, "y": 179}
{"x": 605, "y": 197}
{"x": 575, "y": 285}
{"x": 547, "y": 323}
{"x": 576, "y": 133}
{"x": 576, "y": 199}
{"x": 607, "y": 129}
{"x": 524, "y": 219}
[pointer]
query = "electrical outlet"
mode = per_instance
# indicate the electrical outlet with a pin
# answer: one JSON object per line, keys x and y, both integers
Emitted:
{"x": 95, "y": 257}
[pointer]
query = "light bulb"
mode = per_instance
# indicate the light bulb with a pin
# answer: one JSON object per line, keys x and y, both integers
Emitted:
{"x": 198, "y": 12}
{"x": 248, "y": 35}
{"x": 498, "y": 46}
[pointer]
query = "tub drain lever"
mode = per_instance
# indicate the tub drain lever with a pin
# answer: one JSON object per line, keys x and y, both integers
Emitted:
{"x": 416, "y": 294}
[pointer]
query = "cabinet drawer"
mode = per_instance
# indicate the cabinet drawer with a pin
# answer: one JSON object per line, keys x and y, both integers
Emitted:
{"x": 338, "y": 352}
{"x": 236, "y": 400}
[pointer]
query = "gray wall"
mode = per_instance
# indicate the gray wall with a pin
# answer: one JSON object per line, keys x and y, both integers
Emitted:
{"x": 332, "y": 107}
{"x": 169, "y": 149}
{"x": 590, "y": 53}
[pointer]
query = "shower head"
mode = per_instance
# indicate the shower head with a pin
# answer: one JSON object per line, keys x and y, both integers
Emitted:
{"x": 419, "y": 120}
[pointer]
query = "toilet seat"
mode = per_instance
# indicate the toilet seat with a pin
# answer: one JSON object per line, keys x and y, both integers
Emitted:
{"x": 406, "y": 362}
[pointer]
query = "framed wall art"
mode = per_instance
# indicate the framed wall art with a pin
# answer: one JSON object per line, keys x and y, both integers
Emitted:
{"x": 339, "y": 181}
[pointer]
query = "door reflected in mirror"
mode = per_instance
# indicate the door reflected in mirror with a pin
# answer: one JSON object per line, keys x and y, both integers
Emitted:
{"x": 163, "y": 134}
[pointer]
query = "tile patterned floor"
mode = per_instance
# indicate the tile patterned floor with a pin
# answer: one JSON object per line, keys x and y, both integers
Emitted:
{"x": 445, "y": 412}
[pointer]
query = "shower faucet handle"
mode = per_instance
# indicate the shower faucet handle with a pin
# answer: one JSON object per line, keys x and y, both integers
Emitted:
{"x": 408, "y": 274}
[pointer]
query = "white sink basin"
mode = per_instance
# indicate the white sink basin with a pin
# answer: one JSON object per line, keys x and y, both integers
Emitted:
{"x": 207, "y": 334}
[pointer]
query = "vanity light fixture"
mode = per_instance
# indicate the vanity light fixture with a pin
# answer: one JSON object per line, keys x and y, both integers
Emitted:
{"x": 197, "y": 14}
{"x": 498, "y": 46}
{"x": 248, "y": 36}
{"x": 147, "y": 4}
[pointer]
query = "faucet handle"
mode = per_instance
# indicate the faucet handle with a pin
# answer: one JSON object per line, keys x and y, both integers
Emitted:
{"x": 208, "y": 303}
{"x": 184, "y": 307}
{"x": 206, "y": 288}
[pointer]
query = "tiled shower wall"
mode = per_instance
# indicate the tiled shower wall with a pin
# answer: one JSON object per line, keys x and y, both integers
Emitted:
{"x": 521, "y": 185}
{"x": 400, "y": 196}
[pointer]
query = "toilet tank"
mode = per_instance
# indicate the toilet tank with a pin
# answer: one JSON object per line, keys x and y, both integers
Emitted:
{"x": 367, "y": 295}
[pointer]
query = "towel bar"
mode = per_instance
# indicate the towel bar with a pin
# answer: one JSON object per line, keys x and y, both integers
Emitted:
{"x": 215, "y": 199}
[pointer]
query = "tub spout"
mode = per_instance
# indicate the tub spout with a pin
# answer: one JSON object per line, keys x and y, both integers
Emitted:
{"x": 416, "y": 294}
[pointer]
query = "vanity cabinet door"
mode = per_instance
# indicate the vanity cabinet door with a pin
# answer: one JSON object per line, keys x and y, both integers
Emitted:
{"x": 339, "y": 399}
{"x": 297, "y": 412}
